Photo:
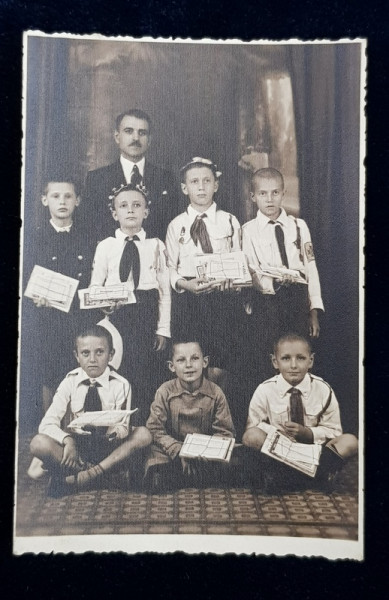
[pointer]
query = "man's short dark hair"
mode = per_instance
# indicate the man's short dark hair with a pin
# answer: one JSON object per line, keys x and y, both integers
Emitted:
{"x": 133, "y": 112}
{"x": 94, "y": 331}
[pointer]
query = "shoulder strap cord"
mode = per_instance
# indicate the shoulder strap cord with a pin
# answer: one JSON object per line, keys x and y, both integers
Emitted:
{"x": 327, "y": 402}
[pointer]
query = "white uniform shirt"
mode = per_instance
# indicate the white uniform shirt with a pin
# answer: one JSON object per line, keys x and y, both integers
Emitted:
{"x": 154, "y": 272}
{"x": 114, "y": 392}
{"x": 259, "y": 244}
{"x": 128, "y": 165}
{"x": 270, "y": 406}
{"x": 224, "y": 234}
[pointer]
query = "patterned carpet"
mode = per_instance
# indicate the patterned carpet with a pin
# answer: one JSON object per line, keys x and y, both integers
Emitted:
{"x": 238, "y": 511}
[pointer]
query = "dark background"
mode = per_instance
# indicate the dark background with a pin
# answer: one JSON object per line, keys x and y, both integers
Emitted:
{"x": 205, "y": 577}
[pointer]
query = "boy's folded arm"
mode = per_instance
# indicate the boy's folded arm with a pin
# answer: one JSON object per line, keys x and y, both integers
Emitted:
{"x": 51, "y": 422}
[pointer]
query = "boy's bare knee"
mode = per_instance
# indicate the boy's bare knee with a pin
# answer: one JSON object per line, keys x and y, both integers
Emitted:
{"x": 254, "y": 438}
{"x": 346, "y": 445}
{"x": 39, "y": 445}
{"x": 142, "y": 436}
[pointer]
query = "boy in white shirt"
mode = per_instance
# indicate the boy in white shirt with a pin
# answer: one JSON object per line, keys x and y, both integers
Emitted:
{"x": 141, "y": 264}
{"x": 75, "y": 461}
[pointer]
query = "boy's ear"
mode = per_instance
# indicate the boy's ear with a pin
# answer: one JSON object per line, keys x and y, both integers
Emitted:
{"x": 116, "y": 136}
{"x": 171, "y": 366}
{"x": 216, "y": 185}
{"x": 76, "y": 355}
{"x": 206, "y": 361}
{"x": 252, "y": 196}
{"x": 78, "y": 200}
{"x": 114, "y": 215}
{"x": 312, "y": 359}
{"x": 184, "y": 188}
{"x": 111, "y": 354}
{"x": 44, "y": 200}
{"x": 147, "y": 212}
{"x": 274, "y": 361}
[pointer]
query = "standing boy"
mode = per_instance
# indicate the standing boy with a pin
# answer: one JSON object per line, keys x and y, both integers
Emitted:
{"x": 202, "y": 309}
{"x": 141, "y": 264}
{"x": 300, "y": 405}
{"x": 275, "y": 239}
{"x": 61, "y": 245}
{"x": 187, "y": 404}
{"x": 92, "y": 386}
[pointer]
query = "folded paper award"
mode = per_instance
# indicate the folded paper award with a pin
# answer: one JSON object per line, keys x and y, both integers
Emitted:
{"x": 212, "y": 447}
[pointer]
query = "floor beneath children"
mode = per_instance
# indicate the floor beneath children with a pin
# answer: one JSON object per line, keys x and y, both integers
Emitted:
{"x": 234, "y": 511}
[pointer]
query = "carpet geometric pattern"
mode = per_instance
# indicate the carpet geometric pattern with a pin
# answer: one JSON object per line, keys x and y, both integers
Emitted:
{"x": 212, "y": 511}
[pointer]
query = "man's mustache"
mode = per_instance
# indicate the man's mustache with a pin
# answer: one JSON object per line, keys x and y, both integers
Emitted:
{"x": 137, "y": 144}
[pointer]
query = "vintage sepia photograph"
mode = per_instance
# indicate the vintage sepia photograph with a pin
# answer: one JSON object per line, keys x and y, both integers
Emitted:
{"x": 191, "y": 297}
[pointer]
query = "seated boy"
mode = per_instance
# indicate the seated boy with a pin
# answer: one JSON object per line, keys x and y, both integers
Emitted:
{"x": 201, "y": 309}
{"x": 58, "y": 244}
{"x": 275, "y": 239}
{"x": 304, "y": 408}
{"x": 188, "y": 404}
{"x": 76, "y": 461}
{"x": 141, "y": 263}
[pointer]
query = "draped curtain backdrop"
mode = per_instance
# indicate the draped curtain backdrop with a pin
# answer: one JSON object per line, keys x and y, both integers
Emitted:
{"x": 294, "y": 107}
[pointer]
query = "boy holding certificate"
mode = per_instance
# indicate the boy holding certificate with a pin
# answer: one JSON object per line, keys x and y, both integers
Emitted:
{"x": 190, "y": 403}
{"x": 286, "y": 295}
{"x": 140, "y": 264}
{"x": 302, "y": 407}
{"x": 59, "y": 245}
{"x": 78, "y": 461}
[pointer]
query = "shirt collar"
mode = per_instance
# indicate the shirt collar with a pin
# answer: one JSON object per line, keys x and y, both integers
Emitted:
{"x": 103, "y": 380}
{"x": 120, "y": 235}
{"x": 204, "y": 390}
{"x": 263, "y": 220}
{"x": 210, "y": 212}
{"x": 67, "y": 228}
{"x": 128, "y": 165}
{"x": 283, "y": 386}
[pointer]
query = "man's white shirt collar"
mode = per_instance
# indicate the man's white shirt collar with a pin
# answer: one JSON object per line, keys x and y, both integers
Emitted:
{"x": 67, "y": 228}
{"x": 210, "y": 212}
{"x": 120, "y": 235}
{"x": 263, "y": 220}
{"x": 128, "y": 165}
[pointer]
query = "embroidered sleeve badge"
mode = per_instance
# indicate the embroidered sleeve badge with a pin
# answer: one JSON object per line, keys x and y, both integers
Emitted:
{"x": 309, "y": 251}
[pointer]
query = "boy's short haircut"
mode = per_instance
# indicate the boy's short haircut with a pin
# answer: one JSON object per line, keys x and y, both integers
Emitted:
{"x": 94, "y": 331}
{"x": 61, "y": 178}
{"x": 129, "y": 187}
{"x": 291, "y": 337}
{"x": 179, "y": 341}
{"x": 133, "y": 112}
{"x": 196, "y": 162}
{"x": 266, "y": 173}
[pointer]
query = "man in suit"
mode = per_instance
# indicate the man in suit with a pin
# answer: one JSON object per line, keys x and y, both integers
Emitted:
{"x": 133, "y": 136}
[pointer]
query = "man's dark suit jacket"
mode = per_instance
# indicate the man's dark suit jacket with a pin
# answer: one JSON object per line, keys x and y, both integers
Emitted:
{"x": 164, "y": 197}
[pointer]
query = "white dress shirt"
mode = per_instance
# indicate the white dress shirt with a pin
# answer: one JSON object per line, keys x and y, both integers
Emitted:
{"x": 154, "y": 272}
{"x": 224, "y": 234}
{"x": 270, "y": 406}
{"x": 114, "y": 392}
{"x": 128, "y": 165}
{"x": 259, "y": 244}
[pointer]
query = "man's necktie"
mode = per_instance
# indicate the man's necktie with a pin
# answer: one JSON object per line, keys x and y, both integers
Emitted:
{"x": 92, "y": 398}
{"x": 130, "y": 261}
{"x": 199, "y": 234}
{"x": 281, "y": 242}
{"x": 296, "y": 406}
{"x": 136, "y": 177}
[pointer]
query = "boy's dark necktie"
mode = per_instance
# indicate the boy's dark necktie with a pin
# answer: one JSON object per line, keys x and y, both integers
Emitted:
{"x": 92, "y": 398}
{"x": 130, "y": 261}
{"x": 199, "y": 234}
{"x": 296, "y": 406}
{"x": 136, "y": 177}
{"x": 280, "y": 242}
